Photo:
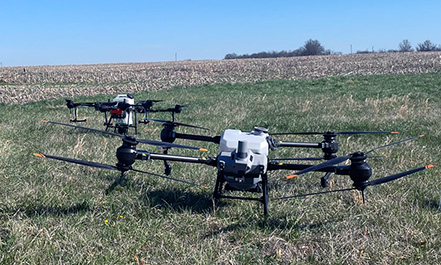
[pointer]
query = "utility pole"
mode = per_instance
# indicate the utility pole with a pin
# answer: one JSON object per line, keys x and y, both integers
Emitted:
{"x": 176, "y": 56}
{"x": 351, "y": 48}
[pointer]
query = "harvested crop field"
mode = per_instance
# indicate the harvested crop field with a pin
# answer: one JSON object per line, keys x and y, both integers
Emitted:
{"x": 24, "y": 84}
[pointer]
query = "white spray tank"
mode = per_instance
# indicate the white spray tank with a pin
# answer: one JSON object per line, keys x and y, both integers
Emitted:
{"x": 126, "y": 115}
{"x": 243, "y": 157}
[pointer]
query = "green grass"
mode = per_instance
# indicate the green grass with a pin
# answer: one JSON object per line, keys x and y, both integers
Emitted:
{"x": 55, "y": 212}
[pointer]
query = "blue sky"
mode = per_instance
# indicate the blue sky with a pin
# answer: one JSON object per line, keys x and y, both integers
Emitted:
{"x": 84, "y": 32}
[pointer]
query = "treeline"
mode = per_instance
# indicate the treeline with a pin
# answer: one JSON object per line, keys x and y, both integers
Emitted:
{"x": 311, "y": 47}
{"x": 314, "y": 47}
{"x": 406, "y": 46}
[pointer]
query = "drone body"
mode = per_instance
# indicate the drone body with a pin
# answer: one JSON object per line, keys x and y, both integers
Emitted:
{"x": 123, "y": 117}
{"x": 121, "y": 112}
{"x": 242, "y": 162}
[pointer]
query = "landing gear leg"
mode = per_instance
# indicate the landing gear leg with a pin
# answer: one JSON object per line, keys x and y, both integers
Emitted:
{"x": 265, "y": 194}
{"x": 325, "y": 180}
{"x": 168, "y": 167}
{"x": 218, "y": 189}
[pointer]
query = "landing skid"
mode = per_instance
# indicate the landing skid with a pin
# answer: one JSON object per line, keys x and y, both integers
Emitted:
{"x": 221, "y": 185}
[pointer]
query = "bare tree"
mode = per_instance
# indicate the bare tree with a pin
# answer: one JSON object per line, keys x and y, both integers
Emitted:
{"x": 405, "y": 46}
{"x": 426, "y": 46}
{"x": 312, "y": 47}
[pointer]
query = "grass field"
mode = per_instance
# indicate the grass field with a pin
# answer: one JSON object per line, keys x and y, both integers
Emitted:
{"x": 53, "y": 212}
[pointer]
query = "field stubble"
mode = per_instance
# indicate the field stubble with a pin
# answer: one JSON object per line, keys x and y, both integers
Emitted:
{"x": 34, "y": 83}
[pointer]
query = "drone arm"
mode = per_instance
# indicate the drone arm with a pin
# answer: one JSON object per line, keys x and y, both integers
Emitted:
{"x": 92, "y": 105}
{"x": 338, "y": 170}
{"x": 213, "y": 139}
{"x": 71, "y": 104}
{"x": 144, "y": 155}
{"x": 299, "y": 144}
{"x": 333, "y": 169}
{"x": 165, "y": 110}
{"x": 162, "y": 110}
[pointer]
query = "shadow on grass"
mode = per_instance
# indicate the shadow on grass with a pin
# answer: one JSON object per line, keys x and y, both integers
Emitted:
{"x": 33, "y": 210}
{"x": 269, "y": 223}
{"x": 179, "y": 200}
{"x": 275, "y": 223}
{"x": 120, "y": 181}
{"x": 430, "y": 204}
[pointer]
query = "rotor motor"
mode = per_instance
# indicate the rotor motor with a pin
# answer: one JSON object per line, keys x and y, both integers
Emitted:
{"x": 126, "y": 153}
{"x": 329, "y": 145}
{"x": 359, "y": 170}
{"x": 168, "y": 134}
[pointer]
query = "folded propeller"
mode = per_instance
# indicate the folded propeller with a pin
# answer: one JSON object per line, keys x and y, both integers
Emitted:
{"x": 336, "y": 133}
{"x": 174, "y": 124}
{"x": 119, "y": 167}
{"x": 126, "y": 154}
{"x": 359, "y": 170}
{"x": 144, "y": 141}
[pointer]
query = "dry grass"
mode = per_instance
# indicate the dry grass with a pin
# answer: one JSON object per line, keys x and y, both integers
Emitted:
{"x": 57, "y": 213}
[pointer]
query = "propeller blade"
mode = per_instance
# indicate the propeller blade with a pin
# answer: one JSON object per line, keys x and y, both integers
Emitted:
{"x": 328, "y": 163}
{"x": 150, "y": 100}
{"x": 394, "y": 143}
{"x": 84, "y": 128}
{"x": 395, "y": 176}
{"x": 144, "y": 141}
{"x": 351, "y": 132}
{"x": 368, "y": 132}
{"x": 370, "y": 183}
{"x": 76, "y": 161}
{"x": 71, "y": 104}
{"x": 158, "y": 120}
{"x": 170, "y": 178}
{"x": 310, "y": 194}
{"x": 179, "y": 124}
{"x": 297, "y": 158}
{"x": 340, "y": 159}
{"x": 147, "y": 103}
{"x": 109, "y": 104}
{"x": 298, "y": 133}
